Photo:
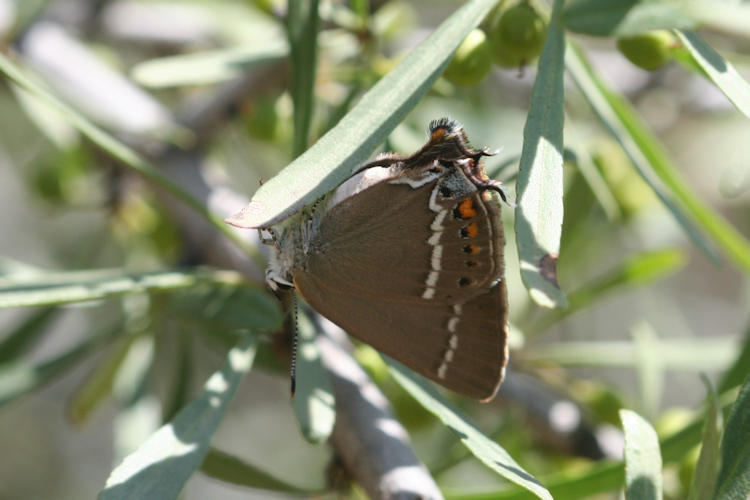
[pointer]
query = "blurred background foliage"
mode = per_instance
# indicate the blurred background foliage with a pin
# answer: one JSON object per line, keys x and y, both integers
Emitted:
{"x": 121, "y": 295}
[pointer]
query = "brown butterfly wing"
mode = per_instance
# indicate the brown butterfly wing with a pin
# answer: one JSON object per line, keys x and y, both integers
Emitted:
{"x": 462, "y": 347}
{"x": 385, "y": 242}
{"x": 375, "y": 269}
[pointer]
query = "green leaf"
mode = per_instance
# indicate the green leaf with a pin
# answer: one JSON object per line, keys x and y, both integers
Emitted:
{"x": 486, "y": 450}
{"x": 230, "y": 469}
{"x": 314, "y": 403}
{"x": 597, "y": 184}
{"x": 228, "y": 307}
{"x": 115, "y": 148}
{"x": 642, "y": 458}
{"x": 734, "y": 475}
{"x": 626, "y": 17}
{"x": 302, "y": 30}
{"x": 686, "y": 354}
{"x": 649, "y": 366}
{"x": 740, "y": 368}
{"x": 66, "y": 288}
{"x": 208, "y": 67}
{"x": 638, "y": 270}
{"x": 159, "y": 468}
{"x": 138, "y": 408}
{"x": 182, "y": 374}
{"x": 650, "y": 159}
{"x": 539, "y": 214}
{"x": 19, "y": 378}
{"x": 330, "y": 160}
{"x": 719, "y": 70}
{"x": 600, "y": 478}
{"x": 98, "y": 385}
{"x": 26, "y": 334}
{"x": 706, "y": 470}
{"x": 54, "y": 288}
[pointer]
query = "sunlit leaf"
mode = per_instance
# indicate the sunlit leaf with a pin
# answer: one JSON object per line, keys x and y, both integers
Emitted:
{"x": 159, "y": 468}
{"x": 719, "y": 70}
{"x": 486, "y": 450}
{"x": 642, "y": 458}
{"x": 539, "y": 214}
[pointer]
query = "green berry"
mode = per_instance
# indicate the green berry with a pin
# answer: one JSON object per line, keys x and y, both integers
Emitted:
{"x": 650, "y": 50}
{"x": 517, "y": 35}
{"x": 472, "y": 61}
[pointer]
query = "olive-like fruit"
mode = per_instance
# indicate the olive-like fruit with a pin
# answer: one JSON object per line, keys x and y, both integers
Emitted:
{"x": 472, "y": 61}
{"x": 650, "y": 50}
{"x": 517, "y": 35}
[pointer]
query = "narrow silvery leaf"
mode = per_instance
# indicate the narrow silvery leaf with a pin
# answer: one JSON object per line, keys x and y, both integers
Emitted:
{"x": 539, "y": 213}
{"x": 159, "y": 468}
{"x": 719, "y": 70}
{"x": 485, "y": 449}
{"x": 642, "y": 458}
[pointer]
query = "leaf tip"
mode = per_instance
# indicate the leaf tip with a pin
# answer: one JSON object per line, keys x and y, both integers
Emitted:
{"x": 247, "y": 217}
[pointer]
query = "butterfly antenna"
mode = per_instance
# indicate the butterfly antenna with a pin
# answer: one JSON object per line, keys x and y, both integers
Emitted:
{"x": 294, "y": 344}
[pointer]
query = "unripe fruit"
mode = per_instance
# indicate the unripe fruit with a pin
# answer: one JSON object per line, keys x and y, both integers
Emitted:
{"x": 650, "y": 50}
{"x": 472, "y": 61}
{"x": 517, "y": 35}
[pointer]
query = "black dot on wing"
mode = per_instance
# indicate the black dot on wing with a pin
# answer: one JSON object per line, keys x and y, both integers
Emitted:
{"x": 464, "y": 281}
{"x": 445, "y": 192}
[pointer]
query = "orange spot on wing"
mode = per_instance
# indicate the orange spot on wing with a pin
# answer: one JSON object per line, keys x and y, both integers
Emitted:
{"x": 471, "y": 249}
{"x": 466, "y": 209}
{"x": 472, "y": 230}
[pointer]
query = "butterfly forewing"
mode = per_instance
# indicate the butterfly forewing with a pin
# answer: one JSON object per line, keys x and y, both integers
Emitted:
{"x": 383, "y": 243}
